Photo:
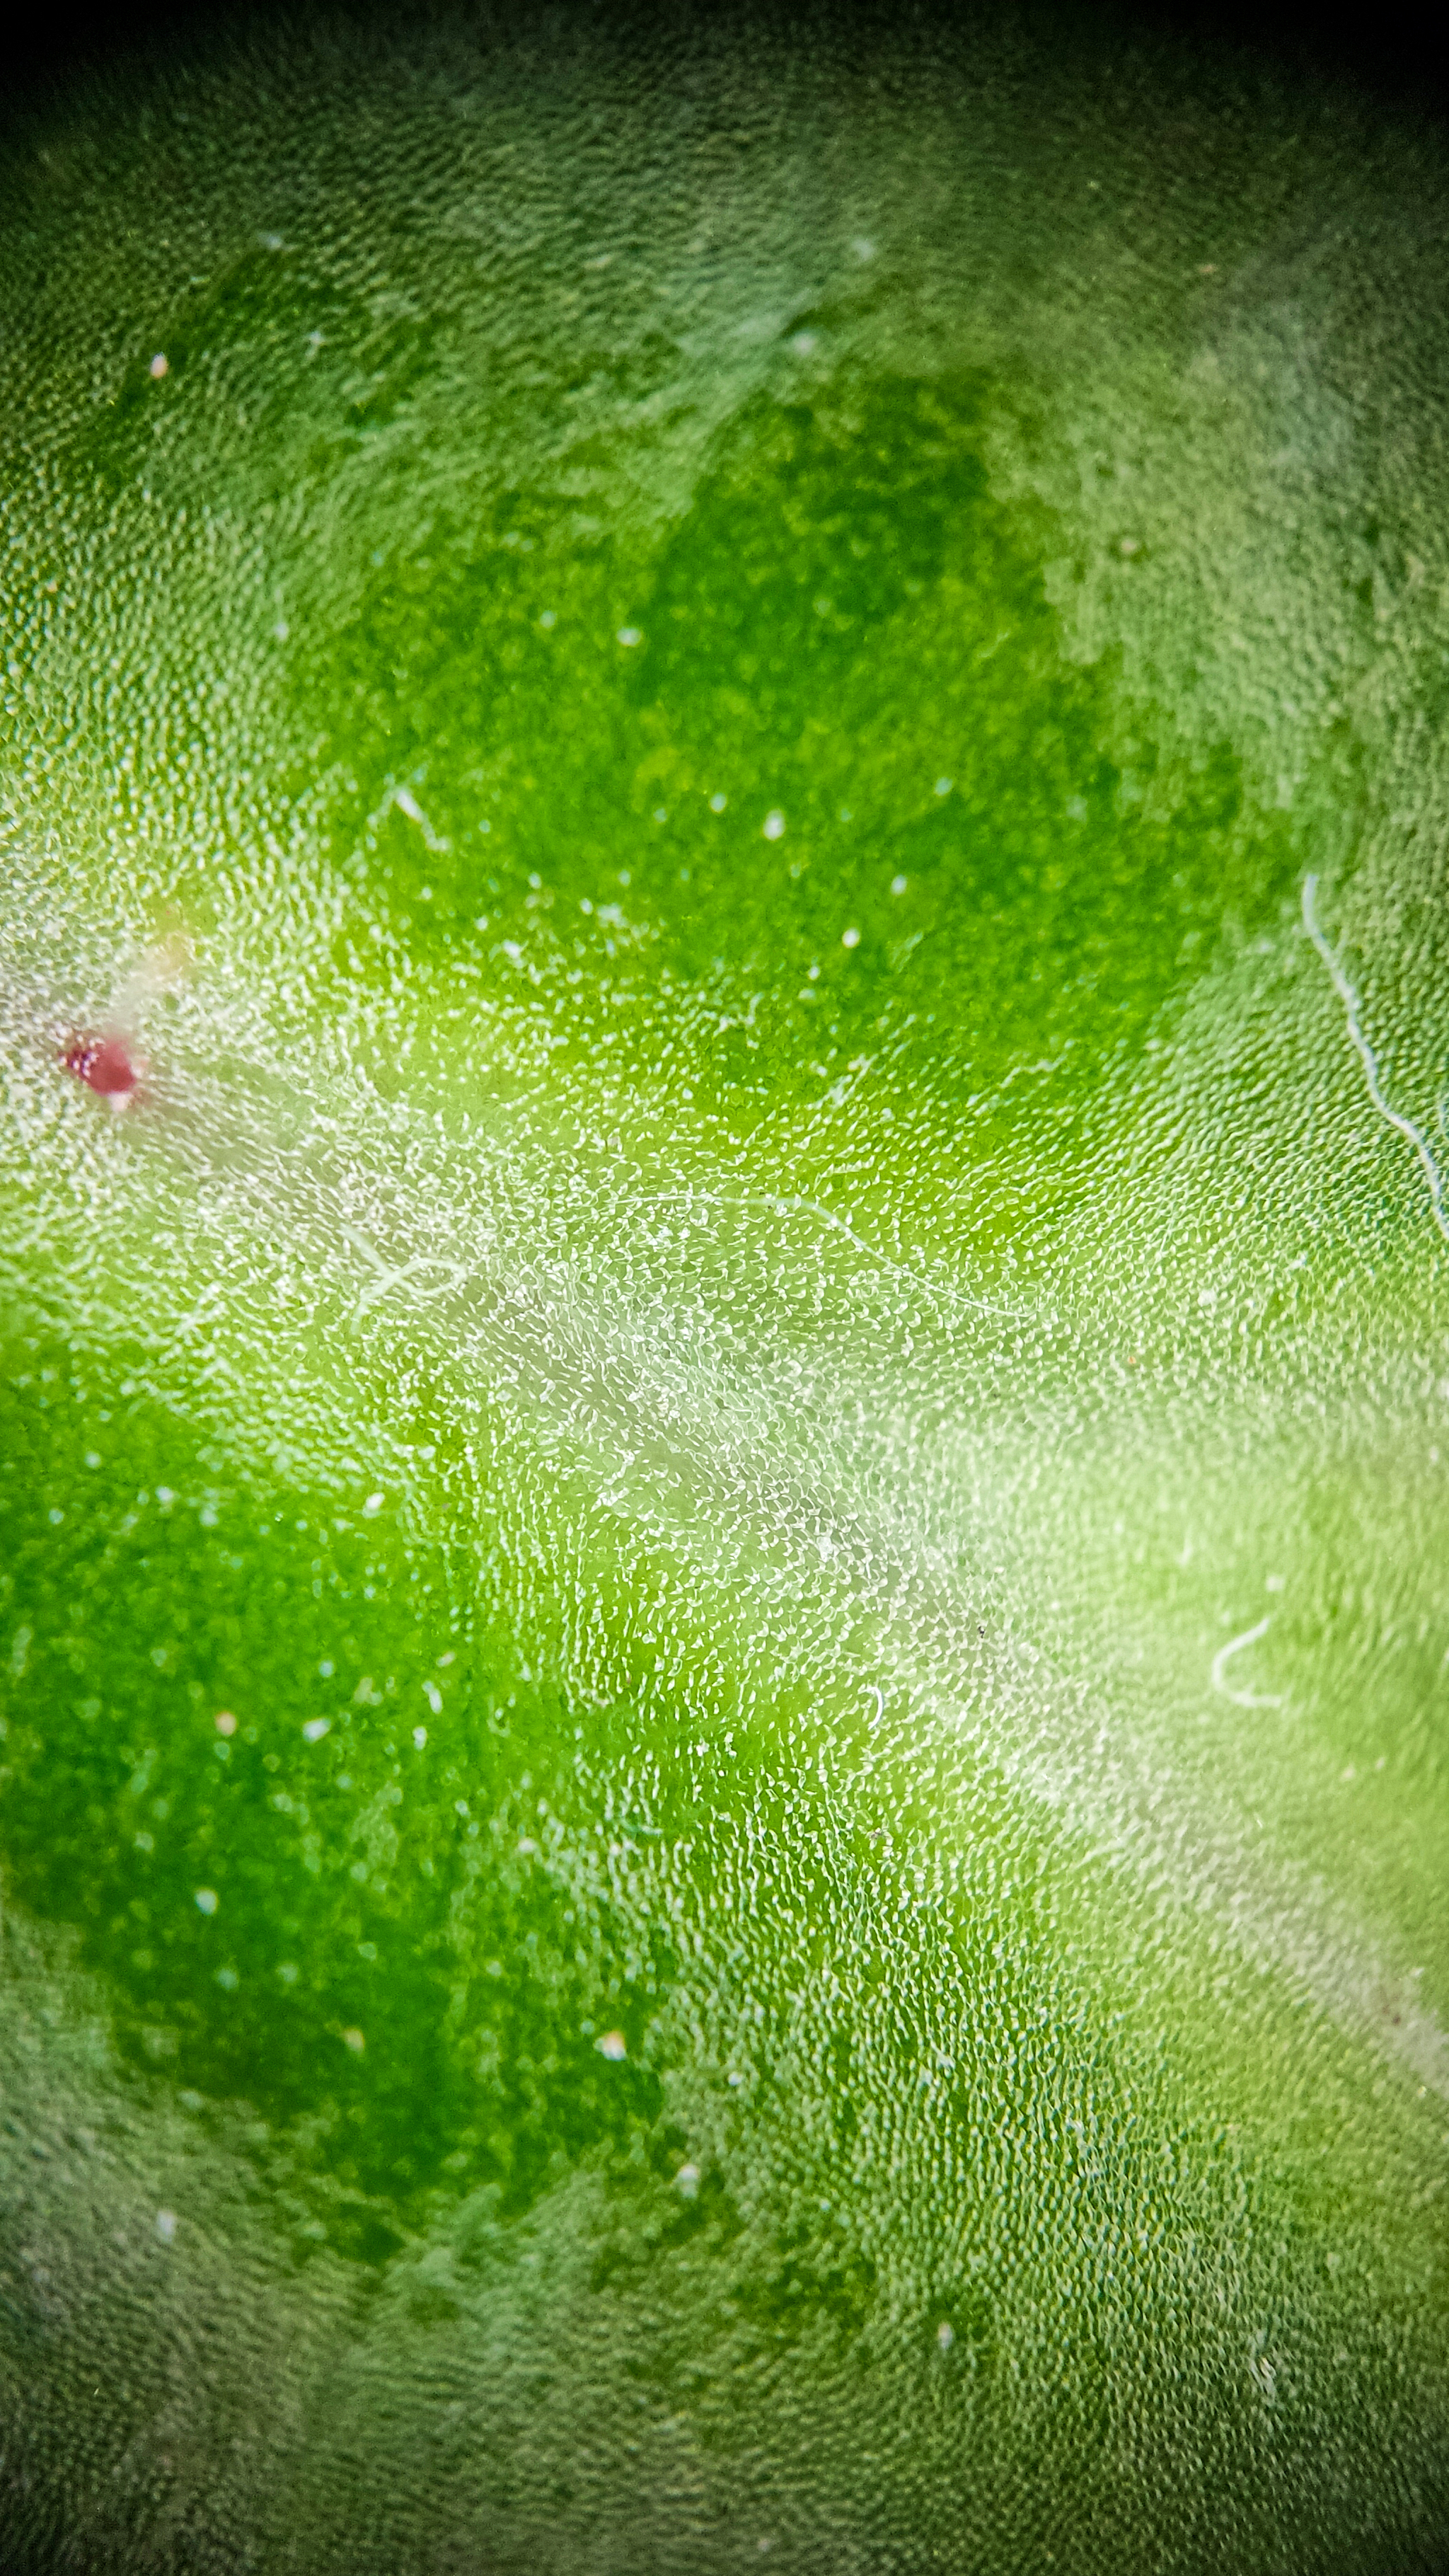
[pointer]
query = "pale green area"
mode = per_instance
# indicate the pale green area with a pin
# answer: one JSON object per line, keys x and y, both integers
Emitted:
{"x": 754, "y": 1238}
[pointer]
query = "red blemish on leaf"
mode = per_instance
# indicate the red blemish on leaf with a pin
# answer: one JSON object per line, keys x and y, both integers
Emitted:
{"x": 106, "y": 1065}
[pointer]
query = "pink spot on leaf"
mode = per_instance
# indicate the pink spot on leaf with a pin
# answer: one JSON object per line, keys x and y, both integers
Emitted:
{"x": 106, "y": 1065}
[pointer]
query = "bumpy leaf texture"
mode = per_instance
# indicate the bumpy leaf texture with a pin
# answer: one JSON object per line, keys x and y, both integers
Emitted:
{"x": 724, "y": 988}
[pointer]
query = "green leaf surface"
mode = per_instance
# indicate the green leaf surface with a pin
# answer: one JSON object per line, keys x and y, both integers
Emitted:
{"x": 723, "y": 1633}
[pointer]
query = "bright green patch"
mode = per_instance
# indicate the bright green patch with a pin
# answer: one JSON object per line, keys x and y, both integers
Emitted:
{"x": 929, "y": 821}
